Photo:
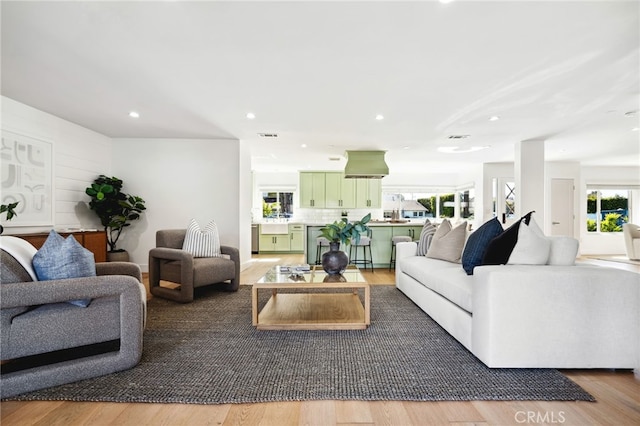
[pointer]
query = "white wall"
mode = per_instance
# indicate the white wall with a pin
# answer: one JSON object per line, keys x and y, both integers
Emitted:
{"x": 80, "y": 155}
{"x": 245, "y": 192}
{"x": 181, "y": 179}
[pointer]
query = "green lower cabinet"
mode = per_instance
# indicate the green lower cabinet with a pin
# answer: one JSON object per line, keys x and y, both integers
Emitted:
{"x": 380, "y": 242}
{"x": 279, "y": 242}
{"x": 409, "y": 231}
{"x": 297, "y": 241}
{"x": 381, "y": 245}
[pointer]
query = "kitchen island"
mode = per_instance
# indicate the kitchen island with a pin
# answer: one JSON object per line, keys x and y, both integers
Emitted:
{"x": 381, "y": 234}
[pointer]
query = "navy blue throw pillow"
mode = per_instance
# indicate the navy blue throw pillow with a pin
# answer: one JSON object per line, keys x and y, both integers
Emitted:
{"x": 500, "y": 248}
{"x": 477, "y": 244}
{"x": 60, "y": 258}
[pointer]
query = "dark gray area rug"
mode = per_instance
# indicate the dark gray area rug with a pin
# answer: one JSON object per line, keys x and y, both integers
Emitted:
{"x": 207, "y": 352}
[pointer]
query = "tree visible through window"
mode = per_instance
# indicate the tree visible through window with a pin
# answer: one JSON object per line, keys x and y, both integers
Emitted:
{"x": 607, "y": 209}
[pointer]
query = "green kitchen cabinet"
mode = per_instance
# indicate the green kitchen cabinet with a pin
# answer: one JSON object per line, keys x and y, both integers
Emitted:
{"x": 312, "y": 189}
{"x": 339, "y": 192}
{"x": 275, "y": 242}
{"x": 296, "y": 237}
{"x": 368, "y": 193}
{"x": 381, "y": 245}
{"x": 409, "y": 231}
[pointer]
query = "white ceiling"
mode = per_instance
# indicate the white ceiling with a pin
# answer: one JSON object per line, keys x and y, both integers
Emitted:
{"x": 317, "y": 73}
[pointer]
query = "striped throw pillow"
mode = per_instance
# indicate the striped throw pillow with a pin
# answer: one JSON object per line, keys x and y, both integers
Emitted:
{"x": 202, "y": 243}
{"x": 425, "y": 237}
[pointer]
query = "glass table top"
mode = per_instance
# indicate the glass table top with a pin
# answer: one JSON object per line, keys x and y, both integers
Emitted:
{"x": 315, "y": 274}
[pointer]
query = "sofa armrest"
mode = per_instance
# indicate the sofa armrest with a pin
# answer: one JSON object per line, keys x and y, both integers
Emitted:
{"x": 404, "y": 250}
{"x": 55, "y": 291}
{"x": 556, "y": 316}
{"x": 119, "y": 268}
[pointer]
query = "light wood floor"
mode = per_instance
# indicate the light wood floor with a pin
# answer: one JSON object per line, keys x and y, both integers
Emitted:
{"x": 617, "y": 392}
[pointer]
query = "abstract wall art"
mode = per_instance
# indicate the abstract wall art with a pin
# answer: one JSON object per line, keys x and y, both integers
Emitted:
{"x": 27, "y": 176}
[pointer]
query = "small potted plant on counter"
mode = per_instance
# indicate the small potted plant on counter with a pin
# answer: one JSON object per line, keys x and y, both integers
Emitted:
{"x": 341, "y": 232}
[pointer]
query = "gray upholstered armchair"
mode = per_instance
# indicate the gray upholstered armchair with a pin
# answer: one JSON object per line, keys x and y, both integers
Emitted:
{"x": 48, "y": 342}
{"x": 168, "y": 262}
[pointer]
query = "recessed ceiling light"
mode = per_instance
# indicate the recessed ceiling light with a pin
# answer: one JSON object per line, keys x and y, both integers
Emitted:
{"x": 635, "y": 129}
{"x": 459, "y": 150}
{"x": 251, "y": 115}
{"x": 379, "y": 117}
{"x": 134, "y": 114}
{"x": 494, "y": 118}
{"x": 304, "y": 145}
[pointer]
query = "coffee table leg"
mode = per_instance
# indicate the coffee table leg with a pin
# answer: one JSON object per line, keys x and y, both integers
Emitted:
{"x": 254, "y": 304}
{"x": 367, "y": 305}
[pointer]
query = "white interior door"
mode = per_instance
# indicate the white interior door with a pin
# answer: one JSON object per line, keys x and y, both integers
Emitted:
{"x": 562, "y": 209}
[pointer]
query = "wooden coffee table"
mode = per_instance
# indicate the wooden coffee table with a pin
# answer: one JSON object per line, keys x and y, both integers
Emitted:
{"x": 309, "y": 308}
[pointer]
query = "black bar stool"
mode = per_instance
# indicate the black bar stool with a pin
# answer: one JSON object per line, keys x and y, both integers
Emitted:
{"x": 395, "y": 240}
{"x": 365, "y": 243}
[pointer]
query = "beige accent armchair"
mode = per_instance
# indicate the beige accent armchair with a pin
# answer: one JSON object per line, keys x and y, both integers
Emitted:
{"x": 632, "y": 240}
{"x": 168, "y": 262}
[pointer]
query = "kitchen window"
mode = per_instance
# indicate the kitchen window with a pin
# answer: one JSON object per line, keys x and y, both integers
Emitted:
{"x": 277, "y": 205}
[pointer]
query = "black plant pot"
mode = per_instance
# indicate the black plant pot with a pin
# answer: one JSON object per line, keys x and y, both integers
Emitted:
{"x": 335, "y": 261}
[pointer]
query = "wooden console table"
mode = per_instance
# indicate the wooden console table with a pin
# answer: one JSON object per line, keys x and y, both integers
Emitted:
{"x": 94, "y": 241}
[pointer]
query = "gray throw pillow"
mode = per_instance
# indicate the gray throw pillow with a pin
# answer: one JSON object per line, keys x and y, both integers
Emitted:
{"x": 428, "y": 230}
{"x": 61, "y": 258}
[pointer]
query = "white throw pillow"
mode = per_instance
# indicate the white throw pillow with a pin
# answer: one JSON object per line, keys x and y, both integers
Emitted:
{"x": 447, "y": 243}
{"x": 202, "y": 243}
{"x": 532, "y": 247}
{"x": 564, "y": 251}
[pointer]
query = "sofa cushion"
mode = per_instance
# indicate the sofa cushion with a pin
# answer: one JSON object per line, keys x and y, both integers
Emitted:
{"x": 500, "y": 248}
{"x": 532, "y": 247}
{"x": 448, "y": 242}
{"x": 61, "y": 258}
{"x": 563, "y": 251}
{"x": 202, "y": 243}
{"x": 445, "y": 278}
{"x": 477, "y": 244}
{"x": 426, "y": 236}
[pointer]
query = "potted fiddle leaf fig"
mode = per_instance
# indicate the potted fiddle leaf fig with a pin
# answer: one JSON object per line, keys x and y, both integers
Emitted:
{"x": 115, "y": 209}
{"x": 9, "y": 209}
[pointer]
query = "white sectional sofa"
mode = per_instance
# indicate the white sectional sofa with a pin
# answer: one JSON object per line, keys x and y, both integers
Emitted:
{"x": 530, "y": 316}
